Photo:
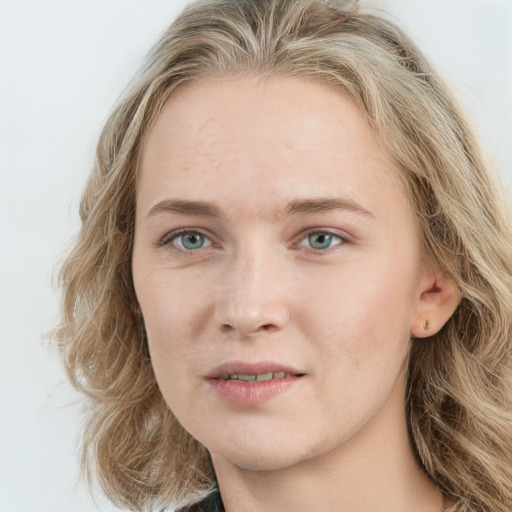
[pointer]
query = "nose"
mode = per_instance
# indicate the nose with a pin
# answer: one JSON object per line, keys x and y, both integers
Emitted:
{"x": 253, "y": 296}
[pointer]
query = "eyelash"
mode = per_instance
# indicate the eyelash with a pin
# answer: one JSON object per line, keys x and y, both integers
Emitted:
{"x": 169, "y": 239}
{"x": 342, "y": 240}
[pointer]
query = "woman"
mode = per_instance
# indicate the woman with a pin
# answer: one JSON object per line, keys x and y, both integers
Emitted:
{"x": 293, "y": 281}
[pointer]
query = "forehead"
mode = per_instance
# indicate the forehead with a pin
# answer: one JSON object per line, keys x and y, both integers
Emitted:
{"x": 218, "y": 136}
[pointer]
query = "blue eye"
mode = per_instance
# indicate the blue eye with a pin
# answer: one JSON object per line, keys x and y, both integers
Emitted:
{"x": 190, "y": 241}
{"x": 322, "y": 241}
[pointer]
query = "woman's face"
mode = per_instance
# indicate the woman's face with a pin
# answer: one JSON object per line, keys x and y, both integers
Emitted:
{"x": 277, "y": 265}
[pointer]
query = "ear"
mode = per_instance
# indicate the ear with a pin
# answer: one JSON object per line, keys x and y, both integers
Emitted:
{"x": 438, "y": 300}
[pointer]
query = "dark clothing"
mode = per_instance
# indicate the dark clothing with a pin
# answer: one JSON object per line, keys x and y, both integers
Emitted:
{"x": 212, "y": 503}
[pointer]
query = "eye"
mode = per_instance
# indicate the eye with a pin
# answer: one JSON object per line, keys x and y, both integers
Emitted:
{"x": 188, "y": 240}
{"x": 321, "y": 241}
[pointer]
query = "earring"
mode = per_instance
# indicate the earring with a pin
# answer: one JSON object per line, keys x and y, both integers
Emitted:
{"x": 420, "y": 328}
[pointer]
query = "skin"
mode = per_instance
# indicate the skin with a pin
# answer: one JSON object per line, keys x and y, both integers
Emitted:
{"x": 259, "y": 289}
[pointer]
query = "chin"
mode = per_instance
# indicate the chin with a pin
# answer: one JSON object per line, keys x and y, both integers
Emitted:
{"x": 259, "y": 462}
{"x": 269, "y": 456}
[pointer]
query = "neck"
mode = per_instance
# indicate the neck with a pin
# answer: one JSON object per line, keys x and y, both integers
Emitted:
{"x": 375, "y": 470}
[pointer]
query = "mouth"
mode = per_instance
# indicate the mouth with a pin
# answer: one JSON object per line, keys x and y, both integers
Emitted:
{"x": 260, "y": 377}
{"x": 252, "y": 383}
{"x": 253, "y": 372}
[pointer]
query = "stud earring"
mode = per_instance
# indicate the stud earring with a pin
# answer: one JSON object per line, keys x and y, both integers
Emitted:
{"x": 425, "y": 325}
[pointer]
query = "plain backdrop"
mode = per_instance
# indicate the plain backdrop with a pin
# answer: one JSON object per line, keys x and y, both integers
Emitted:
{"x": 63, "y": 64}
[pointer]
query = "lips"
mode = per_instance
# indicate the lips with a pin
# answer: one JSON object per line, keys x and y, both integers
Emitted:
{"x": 261, "y": 377}
{"x": 232, "y": 368}
{"x": 248, "y": 384}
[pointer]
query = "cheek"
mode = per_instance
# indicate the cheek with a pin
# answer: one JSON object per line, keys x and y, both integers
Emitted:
{"x": 166, "y": 313}
{"x": 363, "y": 295}
{"x": 171, "y": 344}
{"x": 363, "y": 315}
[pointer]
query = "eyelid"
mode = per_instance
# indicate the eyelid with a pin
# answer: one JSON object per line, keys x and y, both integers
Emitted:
{"x": 345, "y": 238}
{"x": 168, "y": 239}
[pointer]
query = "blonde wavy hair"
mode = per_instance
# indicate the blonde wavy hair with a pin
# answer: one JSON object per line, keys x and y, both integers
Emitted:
{"x": 459, "y": 380}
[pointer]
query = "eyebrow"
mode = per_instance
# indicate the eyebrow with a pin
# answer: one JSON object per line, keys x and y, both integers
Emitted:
{"x": 297, "y": 206}
{"x": 201, "y": 208}
{"x": 325, "y": 204}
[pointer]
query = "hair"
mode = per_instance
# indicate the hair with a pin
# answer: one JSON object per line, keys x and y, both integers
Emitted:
{"x": 458, "y": 401}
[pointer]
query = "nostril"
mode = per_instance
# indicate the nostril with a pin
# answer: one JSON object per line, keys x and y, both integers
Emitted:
{"x": 267, "y": 328}
{"x": 246, "y": 320}
{"x": 227, "y": 328}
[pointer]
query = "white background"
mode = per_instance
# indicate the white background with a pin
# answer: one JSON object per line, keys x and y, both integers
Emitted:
{"x": 63, "y": 63}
